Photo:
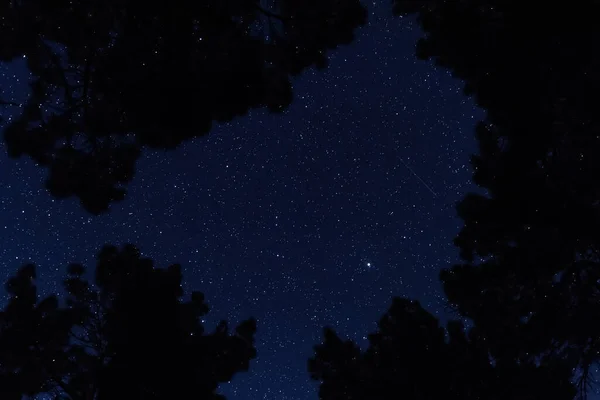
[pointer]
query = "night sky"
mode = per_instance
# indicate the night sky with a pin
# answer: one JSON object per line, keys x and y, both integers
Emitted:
{"x": 311, "y": 218}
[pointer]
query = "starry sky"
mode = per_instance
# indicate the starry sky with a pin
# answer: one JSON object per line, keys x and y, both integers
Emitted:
{"x": 311, "y": 218}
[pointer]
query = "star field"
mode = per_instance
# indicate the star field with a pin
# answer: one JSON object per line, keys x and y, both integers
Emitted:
{"x": 311, "y": 218}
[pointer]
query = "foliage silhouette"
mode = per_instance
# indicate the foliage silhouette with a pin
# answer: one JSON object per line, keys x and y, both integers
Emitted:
{"x": 127, "y": 336}
{"x": 531, "y": 276}
{"x": 113, "y": 77}
{"x": 412, "y": 357}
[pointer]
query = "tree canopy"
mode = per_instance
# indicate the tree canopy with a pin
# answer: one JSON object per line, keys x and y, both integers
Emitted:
{"x": 530, "y": 278}
{"x": 127, "y": 335}
{"x": 114, "y": 77}
{"x": 411, "y": 356}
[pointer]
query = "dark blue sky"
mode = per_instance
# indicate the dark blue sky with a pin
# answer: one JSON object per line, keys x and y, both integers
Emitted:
{"x": 311, "y": 218}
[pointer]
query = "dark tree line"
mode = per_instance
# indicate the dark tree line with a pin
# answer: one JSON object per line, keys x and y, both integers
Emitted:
{"x": 411, "y": 356}
{"x": 530, "y": 278}
{"x": 126, "y": 335}
{"x": 114, "y": 77}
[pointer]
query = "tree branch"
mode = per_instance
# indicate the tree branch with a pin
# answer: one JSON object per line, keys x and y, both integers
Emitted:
{"x": 271, "y": 14}
{"x": 86, "y": 86}
{"x": 8, "y": 103}
{"x": 54, "y": 58}
{"x": 55, "y": 377}
{"x": 63, "y": 386}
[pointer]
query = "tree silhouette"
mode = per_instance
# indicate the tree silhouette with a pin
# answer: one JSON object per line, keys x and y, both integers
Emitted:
{"x": 530, "y": 280}
{"x": 114, "y": 77}
{"x": 412, "y": 357}
{"x": 128, "y": 336}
